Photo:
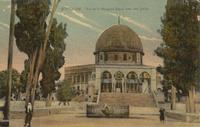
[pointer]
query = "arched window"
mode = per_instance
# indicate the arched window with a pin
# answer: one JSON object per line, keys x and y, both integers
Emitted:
{"x": 133, "y": 57}
{"x": 101, "y": 57}
{"x": 116, "y": 57}
{"x": 145, "y": 77}
{"x": 106, "y": 57}
{"x": 86, "y": 78}
{"x": 78, "y": 78}
{"x": 74, "y": 78}
{"x": 125, "y": 57}
{"x": 82, "y": 78}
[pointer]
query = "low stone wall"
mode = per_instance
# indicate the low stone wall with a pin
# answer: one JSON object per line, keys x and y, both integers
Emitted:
{"x": 96, "y": 111}
{"x": 188, "y": 117}
{"x": 144, "y": 110}
{"x": 40, "y": 112}
{"x": 182, "y": 107}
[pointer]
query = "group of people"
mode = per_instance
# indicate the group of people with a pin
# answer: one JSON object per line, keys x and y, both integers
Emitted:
{"x": 78, "y": 92}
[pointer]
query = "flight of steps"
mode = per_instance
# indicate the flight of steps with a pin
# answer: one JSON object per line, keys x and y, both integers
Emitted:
{"x": 132, "y": 99}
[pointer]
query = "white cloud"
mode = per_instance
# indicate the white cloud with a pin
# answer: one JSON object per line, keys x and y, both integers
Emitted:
{"x": 133, "y": 22}
{"x": 150, "y": 39}
{"x": 74, "y": 20}
{"x": 79, "y": 22}
{"x": 81, "y": 15}
{"x": 6, "y": 25}
{"x": 76, "y": 13}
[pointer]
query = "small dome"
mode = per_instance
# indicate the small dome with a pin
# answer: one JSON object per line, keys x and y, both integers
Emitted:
{"x": 119, "y": 38}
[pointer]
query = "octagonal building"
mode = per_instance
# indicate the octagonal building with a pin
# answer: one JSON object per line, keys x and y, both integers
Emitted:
{"x": 118, "y": 65}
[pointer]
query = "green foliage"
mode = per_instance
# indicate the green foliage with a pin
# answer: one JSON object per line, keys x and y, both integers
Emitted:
{"x": 3, "y": 83}
{"x": 24, "y": 75}
{"x": 180, "y": 47}
{"x": 30, "y": 31}
{"x": 64, "y": 92}
{"x": 17, "y": 86}
{"x": 54, "y": 59}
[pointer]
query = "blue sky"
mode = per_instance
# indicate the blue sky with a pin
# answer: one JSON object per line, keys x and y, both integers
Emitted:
{"x": 86, "y": 20}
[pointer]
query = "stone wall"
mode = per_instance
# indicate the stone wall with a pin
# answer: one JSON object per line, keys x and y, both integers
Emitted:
{"x": 131, "y": 57}
{"x": 188, "y": 117}
{"x": 143, "y": 110}
{"x": 118, "y": 111}
{"x": 39, "y": 112}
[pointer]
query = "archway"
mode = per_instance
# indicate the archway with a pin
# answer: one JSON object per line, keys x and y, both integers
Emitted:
{"x": 145, "y": 80}
{"x": 119, "y": 77}
{"x": 132, "y": 83}
{"x": 106, "y": 82}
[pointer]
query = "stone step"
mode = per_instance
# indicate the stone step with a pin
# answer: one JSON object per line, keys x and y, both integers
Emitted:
{"x": 134, "y": 99}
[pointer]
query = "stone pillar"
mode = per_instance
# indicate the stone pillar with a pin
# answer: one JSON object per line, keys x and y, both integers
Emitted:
{"x": 187, "y": 104}
{"x": 173, "y": 98}
{"x": 125, "y": 87}
{"x": 153, "y": 80}
{"x": 84, "y": 75}
{"x": 98, "y": 79}
{"x": 122, "y": 85}
{"x": 192, "y": 98}
{"x": 75, "y": 79}
{"x": 114, "y": 85}
{"x": 72, "y": 82}
{"x": 112, "y": 88}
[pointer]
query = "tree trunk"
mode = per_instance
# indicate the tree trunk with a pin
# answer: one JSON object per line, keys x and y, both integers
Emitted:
{"x": 187, "y": 104}
{"x": 41, "y": 56}
{"x": 10, "y": 57}
{"x": 30, "y": 75}
{"x": 192, "y": 95}
{"x": 49, "y": 99}
{"x": 173, "y": 98}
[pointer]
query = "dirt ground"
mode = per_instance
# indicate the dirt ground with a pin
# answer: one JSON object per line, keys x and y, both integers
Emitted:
{"x": 80, "y": 120}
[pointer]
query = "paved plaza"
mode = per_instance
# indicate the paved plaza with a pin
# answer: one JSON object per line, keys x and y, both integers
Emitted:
{"x": 80, "y": 120}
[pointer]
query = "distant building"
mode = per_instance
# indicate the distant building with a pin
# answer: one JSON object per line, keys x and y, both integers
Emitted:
{"x": 118, "y": 65}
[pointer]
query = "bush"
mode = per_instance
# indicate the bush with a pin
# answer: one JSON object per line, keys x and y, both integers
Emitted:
{"x": 64, "y": 93}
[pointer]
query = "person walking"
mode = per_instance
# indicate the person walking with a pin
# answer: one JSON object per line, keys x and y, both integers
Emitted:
{"x": 162, "y": 114}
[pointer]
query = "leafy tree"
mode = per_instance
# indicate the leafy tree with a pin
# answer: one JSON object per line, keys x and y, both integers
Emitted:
{"x": 31, "y": 37}
{"x": 3, "y": 81}
{"x": 16, "y": 86}
{"x": 30, "y": 34}
{"x": 64, "y": 93}
{"x": 179, "y": 49}
{"x": 54, "y": 60}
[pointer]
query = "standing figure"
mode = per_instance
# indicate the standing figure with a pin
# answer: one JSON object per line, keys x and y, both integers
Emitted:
{"x": 162, "y": 114}
{"x": 28, "y": 115}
